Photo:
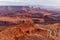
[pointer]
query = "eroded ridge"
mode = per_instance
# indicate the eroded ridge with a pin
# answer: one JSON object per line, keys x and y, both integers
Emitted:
{"x": 25, "y": 32}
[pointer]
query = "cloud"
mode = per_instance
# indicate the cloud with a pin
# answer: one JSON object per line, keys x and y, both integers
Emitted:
{"x": 17, "y": 0}
{"x": 37, "y": 2}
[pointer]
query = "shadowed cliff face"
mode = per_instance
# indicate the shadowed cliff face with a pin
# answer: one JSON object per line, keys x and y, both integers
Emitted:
{"x": 6, "y": 23}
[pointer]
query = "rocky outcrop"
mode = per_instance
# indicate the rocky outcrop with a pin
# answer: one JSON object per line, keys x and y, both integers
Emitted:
{"x": 25, "y": 32}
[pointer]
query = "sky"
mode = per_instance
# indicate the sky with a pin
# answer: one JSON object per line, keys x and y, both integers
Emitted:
{"x": 31, "y": 2}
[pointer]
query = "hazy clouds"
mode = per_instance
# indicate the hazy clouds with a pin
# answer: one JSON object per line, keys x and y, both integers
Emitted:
{"x": 35, "y": 2}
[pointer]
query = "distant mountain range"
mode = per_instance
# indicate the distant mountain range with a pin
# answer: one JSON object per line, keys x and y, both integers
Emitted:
{"x": 11, "y": 9}
{"x": 14, "y": 9}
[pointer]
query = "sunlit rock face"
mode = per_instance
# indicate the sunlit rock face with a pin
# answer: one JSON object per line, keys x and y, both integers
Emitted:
{"x": 25, "y": 32}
